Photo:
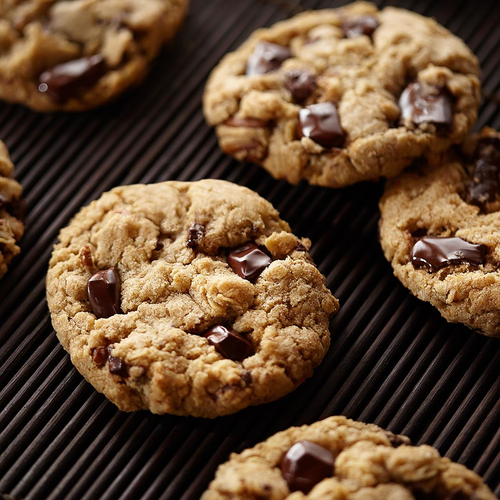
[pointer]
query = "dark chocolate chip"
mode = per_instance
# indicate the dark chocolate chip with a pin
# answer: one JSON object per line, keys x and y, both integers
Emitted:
{"x": 321, "y": 123}
{"x": 231, "y": 344}
{"x": 305, "y": 465}
{"x": 397, "y": 441}
{"x": 159, "y": 246}
{"x": 65, "y": 80}
{"x": 360, "y": 25}
{"x": 485, "y": 184}
{"x": 248, "y": 261}
{"x": 99, "y": 355}
{"x": 195, "y": 235}
{"x": 86, "y": 257}
{"x": 117, "y": 366}
{"x": 240, "y": 121}
{"x": 426, "y": 105}
{"x": 434, "y": 253}
{"x": 103, "y": 290}
{"x": 300, "y": 83}
{"x": 267, "y": 57}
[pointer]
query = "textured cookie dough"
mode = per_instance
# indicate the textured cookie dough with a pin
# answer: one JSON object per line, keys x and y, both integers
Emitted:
{"x": 257, "y": 116}
{"x": 169, "y": 243}
{"x": 369, "y": 464}
{"x": 121, "y": 36}
{"x": 434, "y": 201}
{"x": 11, "y": 211}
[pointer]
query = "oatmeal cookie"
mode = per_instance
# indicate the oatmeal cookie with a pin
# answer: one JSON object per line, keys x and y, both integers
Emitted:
{"x": 341, "y": 459}
{"x": 440, "y": 230}
{"x": 188, "y": 298}
{"x": 60, "y": 55}
{"x": 344, "y": 95}
{"x": 11, "y": 211}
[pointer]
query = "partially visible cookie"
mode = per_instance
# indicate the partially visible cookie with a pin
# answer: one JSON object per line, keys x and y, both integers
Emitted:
{"x": 188, "y": 298}
{"x": 341, "y": 459}
{"x": 11, "y": 211}
{"x": 344, "y": 95}
{"x": 440, "y": 230}
{"x": 59, "y": 55}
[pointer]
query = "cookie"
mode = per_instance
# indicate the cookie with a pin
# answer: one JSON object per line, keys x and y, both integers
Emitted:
{"x": 188, "y": 298}
{"x": 342, "y": 459}
{"x": 76, "y": 55}
{"x": 12, "y": 210}
{"x": 440, "y": 230}
{"x": 344, "y": 95}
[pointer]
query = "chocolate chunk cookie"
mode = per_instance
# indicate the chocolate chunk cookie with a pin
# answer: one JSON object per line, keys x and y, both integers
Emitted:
{"x": 344, "y": 95}
{"x": 188, "y": 298}
{"x": 341, "y": 459}
{"x": 76, "y": 55}
{"x": 11, "y": 211}
{"x": 440, "y": 230}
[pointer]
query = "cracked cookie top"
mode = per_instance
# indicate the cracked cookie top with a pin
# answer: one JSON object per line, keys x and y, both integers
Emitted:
{"x": 341, "y": 459}
{"x": 12, "y": 210}
{"x": 440, "y": 230}
{"x": 75, "y": 55}
{"x": 344, "y": 95}
{"x": 188, "y": 298}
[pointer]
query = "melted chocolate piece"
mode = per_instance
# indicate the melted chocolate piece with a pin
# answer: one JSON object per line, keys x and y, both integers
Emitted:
{"x": 231, "y": 344}
{"x": 239, "y": 121}
{"x": 300, "y": 83}
{"x": 435, "y": 253}
{"x": 305, "y": 465}
{"x": 426, "y": 106}
{"x": 248, "y": 261}
{"x": 103, "y": 290}
{"x": 267, "y": 57}
{"x": 65, "y": 80}
{"x": 321, "y": 123}
{"x": 196, "y": 233}
{"x": 485, "y": 185}
{"x": 117, "y": 366}
{"x": 360, "y": 25}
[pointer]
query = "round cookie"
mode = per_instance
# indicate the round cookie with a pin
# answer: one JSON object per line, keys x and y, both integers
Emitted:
{"x": 188, "y": 298}
{"x": 345, "y": 95}
{"x": 58, "y": 55}
{"x": 342, "y": 459}
{"x": 440, "y": 230}
{"x": 11, "y": 211}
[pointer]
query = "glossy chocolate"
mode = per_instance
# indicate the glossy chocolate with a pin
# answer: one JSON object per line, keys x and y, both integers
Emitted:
{"x": 305, "y": 465}
{"x": 65, "y": 80}
{"x": 321, "y": 123}
{"x": 435, "y": 253}
{"x": 248, "y": 261}
{"x": 360, "y": 25}
{"x": 195, "y": 235}
{"x": 117, "y": 366}
{"x": 300, "y": 83}
{"x": 103, "y": 291}
{"x": 431, "y": 105}
{"x": 267, "y": 57}
{"x": 231, "y": 344}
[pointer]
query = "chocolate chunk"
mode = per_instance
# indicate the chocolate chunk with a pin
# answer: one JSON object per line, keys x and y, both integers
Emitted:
{"x": 103, "y": 290}
{"x": 65, "y": 80}
{"x": 99, "y": 355}
{"x": 360, "y": 25}
{"x": 267, "y": 57}
{"x": 117, "y": 366}
{"x": 231, "y": 344}
{"x": 248, "y": 261}
{"x": 300, "y": 83}
{"x": 485, "y": 184}
{"x": 240, "y": 121}
{"x": 195, "y": 235}
{"x": 86, "y": 257}
{"x": 431, "y": 105}
{"x": 159, "y": 246}
{"x": 321, "y": 123}
{"x": 434, "y": 253}
{"x": 305, "y": 465}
